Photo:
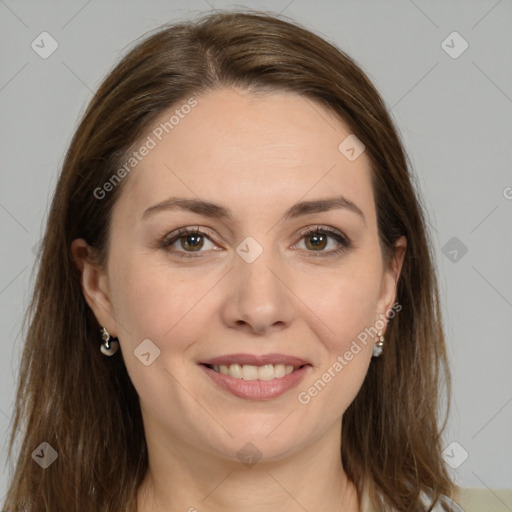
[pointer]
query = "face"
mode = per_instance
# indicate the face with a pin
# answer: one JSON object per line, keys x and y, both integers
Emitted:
{"x": 265, "y": 277}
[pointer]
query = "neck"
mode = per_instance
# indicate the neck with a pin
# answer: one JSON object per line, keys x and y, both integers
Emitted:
{"x": 182, "y": 478}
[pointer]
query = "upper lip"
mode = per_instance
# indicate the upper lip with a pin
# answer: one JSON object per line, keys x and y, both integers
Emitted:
{"x": 255, "y": 360}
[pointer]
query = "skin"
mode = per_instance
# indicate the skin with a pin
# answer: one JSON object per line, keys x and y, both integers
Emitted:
{"x": 256, "y": 156}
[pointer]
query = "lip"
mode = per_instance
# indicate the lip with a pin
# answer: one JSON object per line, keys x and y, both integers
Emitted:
{"x": 257, "y": 389}
{"x": 256, "y": 360}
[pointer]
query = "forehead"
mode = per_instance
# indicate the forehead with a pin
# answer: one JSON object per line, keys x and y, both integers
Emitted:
{"x": 249, "y": 151}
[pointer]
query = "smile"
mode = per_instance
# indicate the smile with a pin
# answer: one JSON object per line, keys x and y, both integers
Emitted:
{"x": 256, "y": 382}
{"x": 252, "y": 372}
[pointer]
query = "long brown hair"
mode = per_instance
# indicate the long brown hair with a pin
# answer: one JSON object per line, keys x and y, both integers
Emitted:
{"x": 85, "y": 406}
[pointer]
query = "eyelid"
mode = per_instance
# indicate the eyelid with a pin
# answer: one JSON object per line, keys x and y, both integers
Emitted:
{"x": 170, "y": 238}
{"x": 323, "y": 229}
{"x": 343, "y": 240}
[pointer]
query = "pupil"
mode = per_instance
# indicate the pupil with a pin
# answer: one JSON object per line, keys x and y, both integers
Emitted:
{"x": 195, "y": 240}
{"x": 318, "y": 239}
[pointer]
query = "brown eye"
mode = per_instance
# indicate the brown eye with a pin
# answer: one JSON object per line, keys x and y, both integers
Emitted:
{"x": 193, "y": 241}
{"x": 317, "y": 239}
{"x": 185, "y": 242}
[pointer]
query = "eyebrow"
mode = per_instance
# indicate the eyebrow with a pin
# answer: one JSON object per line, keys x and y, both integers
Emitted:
{"x": 209, "y": 209}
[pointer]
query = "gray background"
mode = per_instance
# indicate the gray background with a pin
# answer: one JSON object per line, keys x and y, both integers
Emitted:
{"x": 455, "y": 117}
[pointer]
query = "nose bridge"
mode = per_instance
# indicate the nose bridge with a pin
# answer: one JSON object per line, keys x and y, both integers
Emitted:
{"x": 253, "y": 268}
{"x": 261, "y": 297}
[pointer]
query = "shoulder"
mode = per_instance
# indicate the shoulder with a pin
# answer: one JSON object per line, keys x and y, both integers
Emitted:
{"x": 446, "y": 504}
{"x": 443, "y": 504}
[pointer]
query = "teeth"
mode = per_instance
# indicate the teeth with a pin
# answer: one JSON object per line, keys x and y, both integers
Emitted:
{"x": 251, "y": 372}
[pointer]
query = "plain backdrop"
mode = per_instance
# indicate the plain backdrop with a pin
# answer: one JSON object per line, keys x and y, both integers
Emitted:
{"x": 452, "y": 106}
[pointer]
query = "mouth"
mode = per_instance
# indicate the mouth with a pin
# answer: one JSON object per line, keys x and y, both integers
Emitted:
{"x": 253, "y": 372}
{"x": 256, "y": 377}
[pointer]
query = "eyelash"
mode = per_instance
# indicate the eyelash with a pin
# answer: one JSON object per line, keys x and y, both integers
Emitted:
{"x": 344, "y": 242}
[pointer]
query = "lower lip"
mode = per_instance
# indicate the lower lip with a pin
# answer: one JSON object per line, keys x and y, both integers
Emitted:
{"x": 257, "y": 389}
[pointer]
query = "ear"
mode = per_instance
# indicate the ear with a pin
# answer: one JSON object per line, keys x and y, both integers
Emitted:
{"x": 390, "y": 279}
{"x": 94, "y": 282}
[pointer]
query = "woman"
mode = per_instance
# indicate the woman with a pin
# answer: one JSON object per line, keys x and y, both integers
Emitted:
{"x": 236, "y": 305}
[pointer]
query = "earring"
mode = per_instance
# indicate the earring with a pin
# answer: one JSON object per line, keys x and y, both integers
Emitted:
{"x": 109, "y": 345}
{"x": 377, "y": 348}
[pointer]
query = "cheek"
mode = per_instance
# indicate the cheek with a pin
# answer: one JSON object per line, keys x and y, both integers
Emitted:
{"x": 334, "y": 387}
{"x": 153, "y": 301}
{"x": 168, "y": 305}
{"x": 348, "y": 310}
{"x": 346, "y": 301}
{"x": 141, "y": 299}
{"x": 346, "y": 307}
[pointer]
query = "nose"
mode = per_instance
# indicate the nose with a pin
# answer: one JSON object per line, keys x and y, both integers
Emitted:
{"x": 260, "y": 300}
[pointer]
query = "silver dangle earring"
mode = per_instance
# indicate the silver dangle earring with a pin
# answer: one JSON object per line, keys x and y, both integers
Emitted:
{"x": 377, "y": 348}
{"x": 109, "y": 345}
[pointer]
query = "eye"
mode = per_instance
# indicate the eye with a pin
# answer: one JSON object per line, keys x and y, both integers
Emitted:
{"x": 317, "y": 239}
{"x": 185, "y": 242}
{"x": 188, "y": 241}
